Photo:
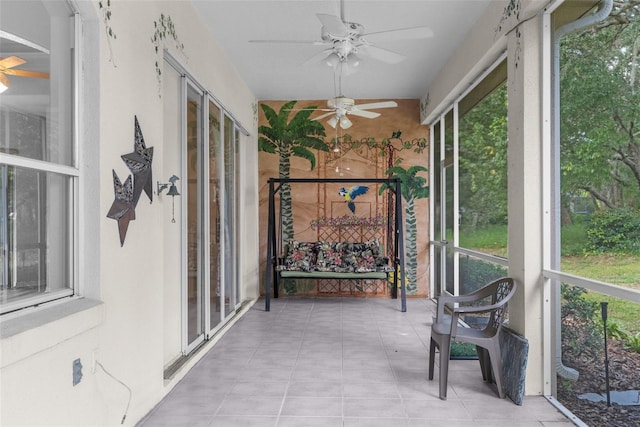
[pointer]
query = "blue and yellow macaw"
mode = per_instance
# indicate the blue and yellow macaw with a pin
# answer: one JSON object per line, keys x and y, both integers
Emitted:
{"x": 351, "y": 194}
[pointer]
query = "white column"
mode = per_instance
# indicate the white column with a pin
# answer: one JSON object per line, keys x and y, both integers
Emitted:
{"x": 525, "y": 192}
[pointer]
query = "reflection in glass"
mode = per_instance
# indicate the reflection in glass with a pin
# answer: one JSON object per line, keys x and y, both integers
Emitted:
{"x": 449, "y": 207}
{"x": 195, "y": 325}
{"x": 42, "y": 45}
{"x": 214, "y": 215}
{"x": 35, "y": 234}
{"x": 230, "y": 218}
{"x": 36, "y": 122}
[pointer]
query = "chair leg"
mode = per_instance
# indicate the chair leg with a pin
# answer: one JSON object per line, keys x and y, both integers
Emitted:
{"x": 445, "y": 349}
{"x": 496, "y": 367}
{"x": 485, "y": 363}
{"x": 432, "y": 357}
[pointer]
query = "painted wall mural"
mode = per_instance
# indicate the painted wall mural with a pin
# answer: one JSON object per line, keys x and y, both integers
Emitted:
{"x": 393, "y": 144}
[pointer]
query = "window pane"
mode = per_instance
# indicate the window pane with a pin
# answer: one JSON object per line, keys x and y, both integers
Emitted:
{"x": 483, "y": 172}
{"x": 436, "y": 190}
{"x": 195, "y": 321}
{"x": 475, "y": 273}
{"x": 214, "y": 214}
{"x": 35, "y": 233}
{"x": 230, "y": 223}
{"x": 598, "y": 202}
{"x": 36, "y": 44}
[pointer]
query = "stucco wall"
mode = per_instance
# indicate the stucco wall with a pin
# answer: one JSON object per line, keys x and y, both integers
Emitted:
{"x": 135, "y": 285}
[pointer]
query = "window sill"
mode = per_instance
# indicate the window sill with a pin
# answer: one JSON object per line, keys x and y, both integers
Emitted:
{"x": 34, "y": 330}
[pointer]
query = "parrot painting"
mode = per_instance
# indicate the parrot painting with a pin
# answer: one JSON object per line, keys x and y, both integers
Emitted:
{"x": 350, "y": 194}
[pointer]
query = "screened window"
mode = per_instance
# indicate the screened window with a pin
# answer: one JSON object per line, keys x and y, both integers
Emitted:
{"x": 470, "y": 194}
{"x": 38, "y": 173}
{"x": 598, "y": 192}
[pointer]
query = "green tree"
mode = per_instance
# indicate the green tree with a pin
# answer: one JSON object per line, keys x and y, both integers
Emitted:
{"x": 600, "y": 105}
{"x": 295, "y": 137}
{"x": 483, "y": 161}
{"x": 413, "y": 187}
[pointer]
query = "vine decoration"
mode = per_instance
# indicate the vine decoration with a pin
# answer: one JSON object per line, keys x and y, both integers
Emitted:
{"x": 511, "y": 9}
{"x": 254, "y": 107}
{"x": 424, "y": 104}
{"x": 164, "y": 29}
{"x": 105, "y": 8}
{"x": 516, "y": 58}
{"x": 369, "y": 148}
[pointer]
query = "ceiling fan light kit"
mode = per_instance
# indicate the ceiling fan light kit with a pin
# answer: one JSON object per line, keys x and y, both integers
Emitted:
{"x": 345, "y": 39}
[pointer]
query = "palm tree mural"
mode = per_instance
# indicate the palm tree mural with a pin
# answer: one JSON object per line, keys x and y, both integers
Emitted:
{"x": 295, "y": 137}
{"x": 413, "y": 187}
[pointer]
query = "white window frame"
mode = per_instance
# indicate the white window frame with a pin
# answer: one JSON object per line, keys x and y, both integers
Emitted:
{"x": 73, "y": 172}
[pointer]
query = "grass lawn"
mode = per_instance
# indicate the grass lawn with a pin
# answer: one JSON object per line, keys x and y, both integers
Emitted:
{"x": 622, "y": 270}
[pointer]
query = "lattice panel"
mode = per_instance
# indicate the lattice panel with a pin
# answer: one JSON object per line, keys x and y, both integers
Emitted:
{"x": 342, "y": 287}
{"x": 349, "y": 234}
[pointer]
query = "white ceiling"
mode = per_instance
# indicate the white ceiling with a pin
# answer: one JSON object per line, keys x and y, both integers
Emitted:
{"x": 278, "y": 72}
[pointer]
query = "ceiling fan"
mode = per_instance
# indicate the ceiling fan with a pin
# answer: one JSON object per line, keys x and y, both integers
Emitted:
{"x": 7, "y": 66}
{"x": 346, "y": 39}
{"x": 342, "y": 106}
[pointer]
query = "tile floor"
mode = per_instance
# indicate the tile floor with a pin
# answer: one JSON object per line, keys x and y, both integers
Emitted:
{"x": 336, "y": 362}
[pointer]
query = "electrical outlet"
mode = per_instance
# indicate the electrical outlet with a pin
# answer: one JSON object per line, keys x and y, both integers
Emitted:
{"x": 77, "y": 371}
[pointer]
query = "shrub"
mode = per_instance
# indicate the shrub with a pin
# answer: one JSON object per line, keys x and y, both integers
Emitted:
{"x": 475, "y": 273}
{"x": 633, "y": 343}
{"x": 614, "y": 230}
{"x": 580, "y": 331}
{"x": 615, "y": 330}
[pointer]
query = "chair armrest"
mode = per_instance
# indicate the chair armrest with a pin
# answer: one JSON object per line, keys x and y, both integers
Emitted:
{"x": 479, "y": 308}
{"x": 443, "y": 300}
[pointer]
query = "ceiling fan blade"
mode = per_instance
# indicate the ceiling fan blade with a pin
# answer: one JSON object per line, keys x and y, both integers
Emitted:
{"x": 332, "y": 121}
{"x": 380, "y": 54}
{"x": 332, "y": 25}
{"x": 324, "y": 115}
{"x": 374, "y": 105}
{"x": 367, "y": 114}
{"x": 11, "y": 61}
{"x": 399, "y": 34}
{"x": 25, "y": 73}
{"x": 318, "y": 57}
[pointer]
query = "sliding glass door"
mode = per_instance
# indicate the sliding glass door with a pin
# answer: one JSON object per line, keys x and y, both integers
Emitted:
{"x": 212, "y": 280}
{"x": 196, "y": 276}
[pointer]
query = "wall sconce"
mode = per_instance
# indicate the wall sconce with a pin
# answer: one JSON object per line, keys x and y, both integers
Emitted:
{"x": 173, "y": 192}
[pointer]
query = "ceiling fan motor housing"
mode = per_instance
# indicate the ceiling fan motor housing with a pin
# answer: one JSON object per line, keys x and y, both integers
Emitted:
{"x": 341, "y": 102}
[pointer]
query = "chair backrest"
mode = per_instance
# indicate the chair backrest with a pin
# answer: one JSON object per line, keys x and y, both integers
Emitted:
{"x": 502, "y": 291}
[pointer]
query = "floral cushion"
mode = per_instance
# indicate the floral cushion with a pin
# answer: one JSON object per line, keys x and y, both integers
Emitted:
{"x": 338, "y": 257}
{"x": 300, "y": 256}
{"x": 328, "y": 257}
